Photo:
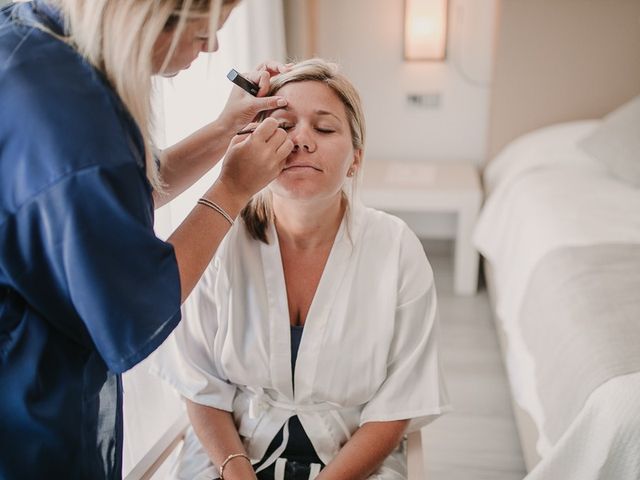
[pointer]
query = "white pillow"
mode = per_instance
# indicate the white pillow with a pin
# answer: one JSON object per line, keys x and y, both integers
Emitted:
{"x": 616, "y": 142}
{"x": 547, "y": 147}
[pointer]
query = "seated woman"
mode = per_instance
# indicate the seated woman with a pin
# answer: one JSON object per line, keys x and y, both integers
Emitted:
{"x": 310, "y": 343}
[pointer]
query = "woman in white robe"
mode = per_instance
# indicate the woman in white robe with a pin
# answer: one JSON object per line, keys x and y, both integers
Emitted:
{"x": 307, "y": 253}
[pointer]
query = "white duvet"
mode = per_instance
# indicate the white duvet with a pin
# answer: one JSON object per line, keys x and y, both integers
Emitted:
{"x": 544, "y": 193}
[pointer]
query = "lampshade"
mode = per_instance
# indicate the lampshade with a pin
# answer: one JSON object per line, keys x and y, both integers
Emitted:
{"x": 425, "y": 29}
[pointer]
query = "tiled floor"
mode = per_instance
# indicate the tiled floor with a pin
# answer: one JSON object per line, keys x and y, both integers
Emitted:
{"x": 478, "y": 441}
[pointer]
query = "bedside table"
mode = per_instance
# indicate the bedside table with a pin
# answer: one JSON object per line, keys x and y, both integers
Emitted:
{"x": 432, "y": 187}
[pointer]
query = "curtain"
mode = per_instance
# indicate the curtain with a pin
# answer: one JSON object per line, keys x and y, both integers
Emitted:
{"x": 254, "y": 33}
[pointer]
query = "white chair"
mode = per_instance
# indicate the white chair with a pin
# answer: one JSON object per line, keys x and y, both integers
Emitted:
{"x": 173, "y": 436}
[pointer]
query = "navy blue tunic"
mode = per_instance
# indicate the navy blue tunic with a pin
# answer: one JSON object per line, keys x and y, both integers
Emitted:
{"x": 86, "y": 288}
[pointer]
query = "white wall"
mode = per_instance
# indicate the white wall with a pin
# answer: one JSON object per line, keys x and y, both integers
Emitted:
{"x": 365, "y": 37}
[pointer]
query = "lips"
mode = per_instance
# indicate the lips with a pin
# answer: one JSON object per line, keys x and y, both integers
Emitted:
{"x": 301, "y": 166}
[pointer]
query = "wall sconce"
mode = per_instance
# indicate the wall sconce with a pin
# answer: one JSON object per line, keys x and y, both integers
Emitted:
{"x": 425, "y": 29}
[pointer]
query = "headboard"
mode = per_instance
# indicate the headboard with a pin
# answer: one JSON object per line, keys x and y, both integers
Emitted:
{"x": 561, "y": 60}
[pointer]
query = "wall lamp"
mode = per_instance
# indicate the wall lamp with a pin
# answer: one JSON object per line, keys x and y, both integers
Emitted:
{"x": 425, "y": 29}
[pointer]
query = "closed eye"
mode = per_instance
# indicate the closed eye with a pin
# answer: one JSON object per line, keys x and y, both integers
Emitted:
{"x": 288, "y": 126}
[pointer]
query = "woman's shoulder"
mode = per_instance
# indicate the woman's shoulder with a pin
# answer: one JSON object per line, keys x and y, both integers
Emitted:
{"x": 384, "y": 225}
{"x": 41, "y": 72}
{"x": 59, "y": 119}
{"x": 50, "y": 93}
{"x": 390, "y": 236}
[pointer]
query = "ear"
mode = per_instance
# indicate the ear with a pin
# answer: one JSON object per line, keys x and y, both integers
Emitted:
{"x": 357, "y": 159}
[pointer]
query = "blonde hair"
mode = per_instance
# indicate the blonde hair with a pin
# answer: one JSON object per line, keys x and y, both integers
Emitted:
{"x": 118, "y": 37}
{"x": 258, "y": 214}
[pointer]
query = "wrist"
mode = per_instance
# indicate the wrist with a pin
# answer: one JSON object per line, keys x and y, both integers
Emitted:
{"x": 225, "y": 127}
{"x": 237, "y": 466}
{"x": 231, "y": 200}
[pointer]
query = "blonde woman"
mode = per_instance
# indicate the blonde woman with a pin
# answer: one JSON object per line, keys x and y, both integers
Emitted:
{"x": 310, "y": 345}
{"x": 86, "y": 288}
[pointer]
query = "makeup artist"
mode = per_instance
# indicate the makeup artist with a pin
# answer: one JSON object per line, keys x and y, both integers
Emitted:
{"x": 86, "y": 288}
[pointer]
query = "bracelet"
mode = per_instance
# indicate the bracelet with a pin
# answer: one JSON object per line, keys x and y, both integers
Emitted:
{"x": 228, "y": 459}
{"x": 217, "y": 208}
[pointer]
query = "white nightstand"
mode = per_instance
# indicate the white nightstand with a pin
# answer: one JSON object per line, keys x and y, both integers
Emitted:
{"x": 432, "y": 187}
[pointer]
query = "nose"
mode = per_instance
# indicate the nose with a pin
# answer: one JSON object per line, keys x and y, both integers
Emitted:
{"x": 303, "y": 140}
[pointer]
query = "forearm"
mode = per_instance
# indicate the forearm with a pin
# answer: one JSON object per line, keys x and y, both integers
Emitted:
{"x": 198, "y": 237}
{"x": 365, "y": 451}
{"x": 250, "y": 164}
{"x": 218, "y": 435}
{"x": 185, "y": 162}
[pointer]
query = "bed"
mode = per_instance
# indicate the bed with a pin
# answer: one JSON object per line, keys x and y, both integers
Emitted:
{"x": 560, "y": 236}
{"x": 561, "y": 239}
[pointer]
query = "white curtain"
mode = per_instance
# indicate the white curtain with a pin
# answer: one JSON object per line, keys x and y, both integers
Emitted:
{"x": 254, "y": 33}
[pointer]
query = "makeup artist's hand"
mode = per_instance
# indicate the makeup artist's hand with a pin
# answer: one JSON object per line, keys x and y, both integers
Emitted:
{"x": 242, "y": 108}
{"x": 254, "y": 159}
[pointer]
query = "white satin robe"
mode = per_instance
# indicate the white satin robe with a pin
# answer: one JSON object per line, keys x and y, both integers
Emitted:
{"x": 368, "y": 352}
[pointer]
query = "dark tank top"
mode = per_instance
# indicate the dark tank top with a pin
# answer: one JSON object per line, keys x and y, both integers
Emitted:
{"x": 299, "y": 447}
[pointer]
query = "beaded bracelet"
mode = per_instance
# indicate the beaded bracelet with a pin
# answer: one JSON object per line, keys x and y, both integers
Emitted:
{"x": 228, "y": 459}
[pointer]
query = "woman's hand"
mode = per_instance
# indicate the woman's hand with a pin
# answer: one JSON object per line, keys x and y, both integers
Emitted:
{"x": 242, "y": 108}
{"x": 219, "y": 437}
{"x": 184, "y": 163}
{"x": 251, "y": 162}
{"x": 365, "y": 451}
{"x": 254, "y": 159}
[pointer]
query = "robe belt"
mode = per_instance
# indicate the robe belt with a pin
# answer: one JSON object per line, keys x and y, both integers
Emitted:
{"x": 278, "y": 474}
{"x": 260, "y": 401}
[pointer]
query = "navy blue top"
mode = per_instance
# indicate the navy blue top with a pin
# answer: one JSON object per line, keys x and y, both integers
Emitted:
{"x": 86, "y": 288}
{"x": 299, "y": 447}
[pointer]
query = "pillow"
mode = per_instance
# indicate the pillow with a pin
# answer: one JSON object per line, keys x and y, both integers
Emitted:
{"x": 547, "y": 147}
{"x": 616, "y": 142}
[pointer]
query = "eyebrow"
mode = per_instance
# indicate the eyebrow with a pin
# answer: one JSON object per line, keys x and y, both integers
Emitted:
{"x": 317, "y": 112}
{"x": 325, "y": 112}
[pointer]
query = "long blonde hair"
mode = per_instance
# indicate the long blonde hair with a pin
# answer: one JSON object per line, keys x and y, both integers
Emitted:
{"x": 258, "y": 214}
{"x": 118, "y": 37}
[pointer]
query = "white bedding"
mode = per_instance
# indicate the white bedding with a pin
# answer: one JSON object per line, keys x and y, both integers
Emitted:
{"x": 544, "y": 194}
{"x": 603, "y": 442}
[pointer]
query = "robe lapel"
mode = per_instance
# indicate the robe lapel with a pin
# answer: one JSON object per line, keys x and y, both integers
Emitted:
{"x": 318, "y": 318}
{"x": 278, "y": 317}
